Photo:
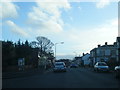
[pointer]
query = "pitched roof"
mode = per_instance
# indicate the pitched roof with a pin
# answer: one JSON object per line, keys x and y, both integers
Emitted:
{"x": 108, "y": 46}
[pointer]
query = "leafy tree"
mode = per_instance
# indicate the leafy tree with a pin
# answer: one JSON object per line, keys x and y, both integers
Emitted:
{"x": 8, "y": 53}
{"x": 11, "y": 52}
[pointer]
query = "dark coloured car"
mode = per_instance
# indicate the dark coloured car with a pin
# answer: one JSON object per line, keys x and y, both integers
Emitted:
{"x": 73, "y": 66}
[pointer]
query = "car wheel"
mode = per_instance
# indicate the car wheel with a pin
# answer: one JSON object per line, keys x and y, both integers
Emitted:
{"x": 54, "y": 71}
{"x": 97, "y": 70}
{"x": 108, "y": 71}
{"x": 117, "y": 74}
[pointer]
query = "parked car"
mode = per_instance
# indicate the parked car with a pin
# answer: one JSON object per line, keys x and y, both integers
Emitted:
{"x": 101, "y": 66}
{"x": 117, "y": 71}
{"x": 59, "y": 66}
{"x": 73, "y": 65}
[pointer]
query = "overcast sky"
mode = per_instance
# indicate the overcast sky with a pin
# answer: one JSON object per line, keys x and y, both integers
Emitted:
{"x": 80, "y": 25}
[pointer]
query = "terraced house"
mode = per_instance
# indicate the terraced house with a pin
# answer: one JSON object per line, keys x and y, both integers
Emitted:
{"x": 104, "y": 53}
{"x": 118, "y": 50}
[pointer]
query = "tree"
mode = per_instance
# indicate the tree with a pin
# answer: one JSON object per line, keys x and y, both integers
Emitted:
{"x": 43, "y": 43}
{"x": 26, "y": 43}
{"x": 11, "y": 52}
{"x": 19, "y": 42}
{"x": 8, "y": 54}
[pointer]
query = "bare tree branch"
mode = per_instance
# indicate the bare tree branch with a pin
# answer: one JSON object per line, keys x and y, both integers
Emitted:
{"x": 43, "y": 43}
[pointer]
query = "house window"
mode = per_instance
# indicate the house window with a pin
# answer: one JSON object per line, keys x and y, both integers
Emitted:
{"x": 98, "y": 52}
{"x": 113, "y": 52}
{"x": 107, "y": 52}
{"x": 102, "y": 53}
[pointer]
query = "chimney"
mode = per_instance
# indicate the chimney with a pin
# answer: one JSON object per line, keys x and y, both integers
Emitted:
{"x": 105, "y": 43}
{"x": 99, "y": 45}
{"x": 83, "y": 54}
{"x": 115, "y": 43}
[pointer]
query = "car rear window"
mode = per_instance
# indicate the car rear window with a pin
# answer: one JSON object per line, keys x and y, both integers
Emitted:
{"x": 59, "y": 64}
{"x": 102, "y": 64}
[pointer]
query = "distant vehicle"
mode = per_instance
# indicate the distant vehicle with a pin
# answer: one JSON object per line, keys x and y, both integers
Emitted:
{"x": 73, "y": 65}
{"x": 59, "y": 66}
{"x": 101, "y": 66}
{"x": 117, "y": 71}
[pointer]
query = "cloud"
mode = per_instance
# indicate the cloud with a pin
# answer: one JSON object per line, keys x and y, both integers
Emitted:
{"x": 16, "y": 29}
{"x": 46, "y": 16}
{"x": 71, "y": 18}
{"x": 53, "y": 7}
{"x": 0, "y": 30}
{"x": 118, "y": 26}
{"x": 8, "y": 9}
{"x": 85, "y": 40}
{"x": 79, "y": 8}
{"x": 102, "y": 3}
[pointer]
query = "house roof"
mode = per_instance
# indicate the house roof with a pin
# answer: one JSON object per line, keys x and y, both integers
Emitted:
{"x": 77, "y": 57}
{"x": 93, "y": 49}
{"x": 108, "y": 46}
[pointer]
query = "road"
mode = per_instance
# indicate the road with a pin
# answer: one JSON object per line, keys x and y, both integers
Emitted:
{"x": 73, "y": 78}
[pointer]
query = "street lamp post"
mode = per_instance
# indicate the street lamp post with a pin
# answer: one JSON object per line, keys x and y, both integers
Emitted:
{"x": 55, "y": 47}
{"x": 75, "y": 54}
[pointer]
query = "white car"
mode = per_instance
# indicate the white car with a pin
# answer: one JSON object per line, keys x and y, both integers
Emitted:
{"x": 117, "y": 71}
{"x": 59, "y": 66}
{"x": 101, "y": 66}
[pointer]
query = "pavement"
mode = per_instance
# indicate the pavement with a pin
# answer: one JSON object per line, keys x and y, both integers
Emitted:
{"x": 10, "y": 75}
{"x": 92, "y": 69}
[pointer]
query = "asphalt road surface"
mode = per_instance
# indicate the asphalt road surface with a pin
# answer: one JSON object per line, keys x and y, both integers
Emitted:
{"x": 73, "y": 78}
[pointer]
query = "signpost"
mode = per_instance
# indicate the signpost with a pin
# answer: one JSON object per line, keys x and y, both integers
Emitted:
{"x": 21, "y": 64}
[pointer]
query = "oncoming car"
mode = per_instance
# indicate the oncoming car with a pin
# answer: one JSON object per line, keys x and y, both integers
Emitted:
{"x": 101, "y": 66}
{"x": 59, "y": 66}
{"x": 73, "y": 65}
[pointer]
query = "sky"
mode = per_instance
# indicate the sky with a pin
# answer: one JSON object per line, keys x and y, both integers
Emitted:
{"x": 80, "y": 25}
